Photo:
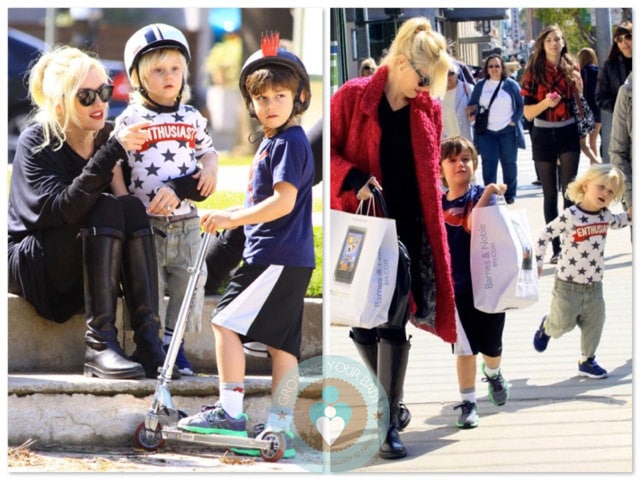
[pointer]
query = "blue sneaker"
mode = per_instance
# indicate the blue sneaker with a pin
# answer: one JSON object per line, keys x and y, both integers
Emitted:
{"x": 589, "y": 368}
{"x": 498, "y": 387}
{"x": 541, "y": 339}
{"x": 213, "y": 420}
{"x": 468, "y": 415}
{"x": 258, "y": 431}
{"x": 182, "y": 363}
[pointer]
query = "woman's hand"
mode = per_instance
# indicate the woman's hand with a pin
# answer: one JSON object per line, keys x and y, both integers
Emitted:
{"x": 133, "y": 137}
{"x": 365, "y": 192}
{"x": 552, "y": 99}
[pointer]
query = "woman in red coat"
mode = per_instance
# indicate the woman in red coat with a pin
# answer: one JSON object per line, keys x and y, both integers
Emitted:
{"x": 385, "y": 132}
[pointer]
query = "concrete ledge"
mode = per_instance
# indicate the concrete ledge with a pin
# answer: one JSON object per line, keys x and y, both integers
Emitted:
{"x": 76, "y": 410}
{"x": 39, "y": 345}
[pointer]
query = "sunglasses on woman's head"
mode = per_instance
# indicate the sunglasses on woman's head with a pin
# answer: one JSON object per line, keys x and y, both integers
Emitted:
{"x": 87, "y": 96}
{"x": 422, "y": 80}
{"x": 621, "y": 37}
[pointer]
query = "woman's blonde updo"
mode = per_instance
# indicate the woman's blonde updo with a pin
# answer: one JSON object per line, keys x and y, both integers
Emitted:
{"x": 425, "y": 48}
{"x": 54, "y": 81}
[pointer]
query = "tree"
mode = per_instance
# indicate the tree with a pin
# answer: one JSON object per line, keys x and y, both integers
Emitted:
{"x": 575, "y": 23}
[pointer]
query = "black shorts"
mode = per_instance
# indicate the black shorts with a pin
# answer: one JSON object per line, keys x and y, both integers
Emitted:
{"x": 265, "y": 303}
{"x": 548, "y": 143}
{"x": 477, "y": 332}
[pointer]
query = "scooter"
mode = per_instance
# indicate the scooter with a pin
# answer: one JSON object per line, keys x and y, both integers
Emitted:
{"x": 160, "y": 420}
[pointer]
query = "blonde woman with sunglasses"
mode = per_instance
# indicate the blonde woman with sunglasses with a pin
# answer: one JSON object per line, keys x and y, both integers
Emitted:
{"x": 385, "y": 133}
{"x": 69, "y": 238}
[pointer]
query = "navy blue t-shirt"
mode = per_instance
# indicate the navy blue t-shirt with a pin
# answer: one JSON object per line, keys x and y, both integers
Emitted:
{"x": 457, "y": 219}
{"x": 288, "y": 240}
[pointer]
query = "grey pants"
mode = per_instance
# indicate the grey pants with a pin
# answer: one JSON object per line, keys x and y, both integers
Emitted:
{"x": 577, "y": 304}
{"x": 176, "y": 248}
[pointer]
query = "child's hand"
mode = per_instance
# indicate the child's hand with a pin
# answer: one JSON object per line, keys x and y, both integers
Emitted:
{"x": 164, "y": 202}
{"x": 497, "y": 188}
{"x": 207, "y": 180}
{"x": 217, "y": 220}
{"x": 133, "y": 137}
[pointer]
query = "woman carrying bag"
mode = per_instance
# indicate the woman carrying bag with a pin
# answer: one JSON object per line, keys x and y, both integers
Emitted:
{"x": 385, "y": 132}
{"x": 499, "y": 95}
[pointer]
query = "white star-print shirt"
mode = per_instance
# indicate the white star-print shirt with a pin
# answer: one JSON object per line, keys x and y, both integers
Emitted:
{"x": 177, "y": 141}
{"x": 582, "y": 238}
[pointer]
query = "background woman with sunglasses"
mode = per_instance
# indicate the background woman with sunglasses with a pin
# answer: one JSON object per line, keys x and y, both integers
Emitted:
{"x": 612, "y": 76}
{"x": 69, "y": 239}
{"x": 385, "y": 132}
{"x": 504, "y": 133}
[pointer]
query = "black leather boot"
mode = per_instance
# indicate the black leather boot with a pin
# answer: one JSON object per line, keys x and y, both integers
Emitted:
{"x": 392, "y": 367}
{"x": 369, "y": 355}
{"x": 103, "y": 358}
{"x": 140, "y": 282}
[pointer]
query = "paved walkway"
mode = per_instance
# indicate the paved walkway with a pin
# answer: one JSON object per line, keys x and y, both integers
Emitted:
{"x": 554, "y": 420}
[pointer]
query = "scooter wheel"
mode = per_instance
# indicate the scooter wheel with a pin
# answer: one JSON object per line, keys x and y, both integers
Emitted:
{"x": 148, "y": 440}
{"x": 276, "y": 448}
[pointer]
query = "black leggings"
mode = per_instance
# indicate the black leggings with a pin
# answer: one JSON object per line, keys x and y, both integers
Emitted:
{"x": 63, "y": 247}
{"x": 366, "y": 336}
{"x": 554, "y": 177}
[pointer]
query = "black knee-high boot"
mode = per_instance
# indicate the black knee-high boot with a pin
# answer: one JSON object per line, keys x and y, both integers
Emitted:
{"x": 369, "y": 355}
{"x": 392, "y": 367}
{"x": 140, "y": 282}
{"x": 104, "y": 358}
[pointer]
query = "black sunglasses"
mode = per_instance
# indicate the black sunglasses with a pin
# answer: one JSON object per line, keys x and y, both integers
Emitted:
{"x": 422, "y": 80}
{"x": 621, "y": 37}
{"x": 87, "y": 96}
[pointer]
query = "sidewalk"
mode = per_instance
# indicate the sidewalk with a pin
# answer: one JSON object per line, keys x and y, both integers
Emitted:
{"x": 554, "y": 421}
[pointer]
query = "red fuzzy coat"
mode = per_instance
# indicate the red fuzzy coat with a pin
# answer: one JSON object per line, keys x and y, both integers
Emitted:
{"x": 355, "y": 142}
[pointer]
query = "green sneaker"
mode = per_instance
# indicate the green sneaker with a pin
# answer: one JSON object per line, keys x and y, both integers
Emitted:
{"x": 213, "y": 420}
{"x": 258, "y": 431}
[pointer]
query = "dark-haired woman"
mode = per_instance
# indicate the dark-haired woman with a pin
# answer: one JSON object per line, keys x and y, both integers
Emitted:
{"x": 549, "y": 83}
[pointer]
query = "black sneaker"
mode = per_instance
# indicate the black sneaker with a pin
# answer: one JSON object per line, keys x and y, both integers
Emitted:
{"x": 468, "y": 415}
{"x": 498, "y": 387}
{"x": 541, "y": 339}
{"x": 213, "y": 420}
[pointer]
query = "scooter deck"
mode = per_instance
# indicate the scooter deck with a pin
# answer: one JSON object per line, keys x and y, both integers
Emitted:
{"x": 214, "y": 440}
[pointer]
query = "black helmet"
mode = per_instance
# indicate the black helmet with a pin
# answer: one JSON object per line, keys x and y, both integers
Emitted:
{"x": 272, "y": 54}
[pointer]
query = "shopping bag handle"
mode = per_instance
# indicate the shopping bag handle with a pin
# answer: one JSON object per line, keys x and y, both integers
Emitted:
{"x": 379, "y": 199}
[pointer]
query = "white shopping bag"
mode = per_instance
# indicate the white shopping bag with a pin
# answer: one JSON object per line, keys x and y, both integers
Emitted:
{"x": 364, "y": 260}
{"x": 503, "y": 273}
